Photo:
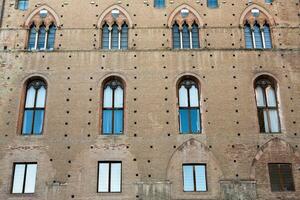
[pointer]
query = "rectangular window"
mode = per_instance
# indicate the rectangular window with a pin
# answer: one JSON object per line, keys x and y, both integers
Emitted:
{"x": 281, "y": 177}
{"x": 24, "y": 178}
{"x": 22, "y": 4}
{"x": 212, "y": 3}
{"x": 159, "y": 3}
{"x": 194, "y": 178}
{"x": 109, "y": 176}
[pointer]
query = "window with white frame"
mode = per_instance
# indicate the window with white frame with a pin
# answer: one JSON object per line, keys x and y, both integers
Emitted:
{"x": 159, "y": 3}
{"x": 24, "y": 178}
{"x": 194, "y": 177}
{"x": 267, "y": 104}
{"x": 42, "y": 37}
{"x": 22, "y": 4}
{"x": 109, "y": 176}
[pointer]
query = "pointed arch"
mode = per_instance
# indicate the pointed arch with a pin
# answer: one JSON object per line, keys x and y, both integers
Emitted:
{"x": 274, "y": 145}
{"x": 34, "y": 15}
{"x": 195, "y": 15}
{"x": 123, "y": 11}
{"x": 265, "y": 17}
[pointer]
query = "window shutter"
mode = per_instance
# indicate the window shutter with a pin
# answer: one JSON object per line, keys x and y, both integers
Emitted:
{"x": 274, "y": 177}
{"x": 287, "y": 176}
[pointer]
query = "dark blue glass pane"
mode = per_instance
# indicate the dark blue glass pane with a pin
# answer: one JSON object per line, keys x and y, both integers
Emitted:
{"x": 257, "y": 36}
{"x": 31, "y": 40}
{"x": 159, "y": 3}
{"x": 195, "y": 120}
{"x": 248, "y": 36}
{"x": 124, "y": 37}
{"x": 42, "y": 36}
{"x": 195, "y": 36}
{"x": 268, "y": 1}
{"x": 23, "y": 4}
{"x": 212, "y": 3}
{"x": 115, "y": 37}
{"x": 27, "y": 122}
{"x": 107, "y": 122}
{"x": 185, "y": 36}
{"x": 176, "y": 37}
{"x": 184, "y": 120}
{"x": 118, "y": 122}
{"x": 38, "y": 122}
{"x": 105, "y": 37}
{"x": 51, "y": 37}
{"x": 268, "y": 40}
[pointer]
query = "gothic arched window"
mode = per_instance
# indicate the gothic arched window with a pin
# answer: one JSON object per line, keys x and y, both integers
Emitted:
{"x": 189, "y": 107}
{"x": 113, "y": 107}
{"x": 267, "y": 104}
{"x": 34, "y": 107}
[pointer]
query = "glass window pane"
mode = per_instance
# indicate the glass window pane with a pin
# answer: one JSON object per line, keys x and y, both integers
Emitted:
{"x": 115, "y": 37}
{"x": 32, "y": 36}
{"x": 188, "y": 178}
{"x": 195, "y": 36}
{"x": 200, "y": 178}
{"x": 118, "y": 122}
{"x": 274, "y": 121}
{"x": 42, "y": 36}
{"x": 212, "y": 3}
{"x": 271, "y": 97}
{"x": 159, "y": 3}
{"x": 103, "y": 177}
{"x": 38, "y": 122}
{"x": 268, "y": 39}
{"x": 23, "y": 4}
{"x": 124, "y": 37}
{"x": 194, "y": 96}
{"x": 51, "y": 37}
{"x": 115, "y": 184}
{"x": 257, "y": 36}
{"x": 41, "y": 97}
{"x": 266, "y": 125}
{"x": 118, "y": 97}
{"x": 248, "y": 36}
{"x": 195, "y": 120}
{"x": 287, "y": 176}
{"x": 107, "y": 97}
{"x": 105, "y": 37}
{"x": 185, "y": 36}
{"x": 107, "y": 122}
{"x": 184, "y": 120}
{"x": 183, "y": 97}
{"x": 30, "y": 178}
{"x": 30, "y": 97}
{"x": 18, "y": 178}
{"x": 27, "y": 122}
{"x": 259, "y": 93}
{"x": 176, "y": 36}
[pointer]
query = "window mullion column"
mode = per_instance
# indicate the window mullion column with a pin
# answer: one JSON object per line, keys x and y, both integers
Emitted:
{"x": 181, "y": 42}
{"x": 263, "y": 38}
{"x": 109, "y": 37}
{"x": 36, "y": 39}
{"x": 253, "y": 38}
{"x": 46, "y": 39}
{"x": 119, "y": 42}
{"x": 191, "y": 41}
{"x": 24, "y": 179}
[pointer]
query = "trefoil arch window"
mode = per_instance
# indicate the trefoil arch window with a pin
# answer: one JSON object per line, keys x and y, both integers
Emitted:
{"x": 257, "y": 32}
{"x": 34, "y": 107}
{"x": 185, "y": 30}
{"x": 267, "y": 104}
{"x": 189, "y": 107}
{"x": 115, "y": 30}
{"x": 41, "y": 38}
{"x": 113, "y": 108}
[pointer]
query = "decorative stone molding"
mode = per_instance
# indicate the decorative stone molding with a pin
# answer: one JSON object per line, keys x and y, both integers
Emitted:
{"x": 262, "y": 17}
{"x": 191, "y": 17}
{"x": 110, "y": 18}
{"x": 37, "y": 20}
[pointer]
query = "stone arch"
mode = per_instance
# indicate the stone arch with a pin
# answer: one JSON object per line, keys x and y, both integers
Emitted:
{"x": 265, "y": 16}
{"x": 193, "y": 16}
{"x": 36, "y": 19}
{"x": 106, "y": 17}
{"x": 274, "y": 145}
{"x": 193, "y": 151}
